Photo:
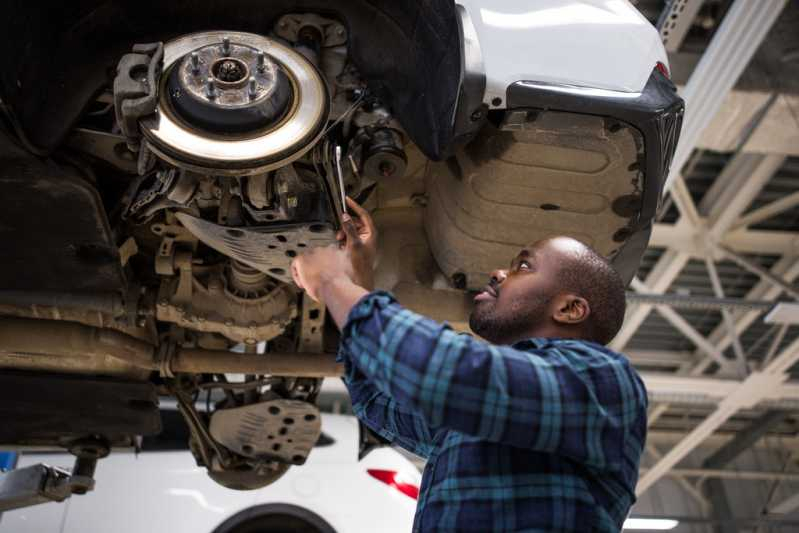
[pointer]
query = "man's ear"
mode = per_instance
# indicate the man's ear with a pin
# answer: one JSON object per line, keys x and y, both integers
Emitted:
{"x": 571, "y": 309}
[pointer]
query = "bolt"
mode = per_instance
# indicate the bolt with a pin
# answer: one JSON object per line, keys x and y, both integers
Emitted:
{"x": 163, "y": 303}
{"x": 229, "y": 323}
{"x": 210, "y": 88}
{"x": 226, "y": 45}
{"x": 200, "y": 319}
{"x": 195, "y": 63}
{"x": 252, "y": 88}
{"x": 261, "y": 61}
{"x": 141, "y": 321}
{"x": 340, "y": 31}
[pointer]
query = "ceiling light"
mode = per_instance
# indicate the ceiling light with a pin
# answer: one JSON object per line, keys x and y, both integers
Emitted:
{"x": 651, "y": 524}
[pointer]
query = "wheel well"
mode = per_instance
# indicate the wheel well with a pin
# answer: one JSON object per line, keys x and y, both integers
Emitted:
{"x": 275, "y": 518}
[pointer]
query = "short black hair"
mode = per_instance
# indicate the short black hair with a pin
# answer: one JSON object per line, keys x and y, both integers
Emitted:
{"x": 589, "y": 275}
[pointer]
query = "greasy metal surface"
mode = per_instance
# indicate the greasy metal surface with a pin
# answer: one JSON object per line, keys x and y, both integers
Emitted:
{"x": 285, "y": 430}
{"x": 70, "y": 348}
{"x": 212, "y": 306}
{"x": 312, "y": 321}
{"x": 193, "y": 361}
{"x": 54, "y": 232}
{"x": 258, "y": 151}
{"x": 541, "y": 175}
{"x": 269, "y": 249}
{"x": 232, "y": 89}
{"x": 60, "y": 409}
{"x": 110, "y": 147}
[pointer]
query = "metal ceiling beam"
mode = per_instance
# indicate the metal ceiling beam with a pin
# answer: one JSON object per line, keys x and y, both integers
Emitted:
{"x": 788, "y": 269}
{"x": 736, "y": 40}
{"x": 745, "y": 175}
{"x": 675, "y": 21}
{"x": 683, "y": 240}
{"x": 710, "y": 390}
{"x": 786, "y": 506}
{"x": 682, "y": 325}
{"x": 670, "y": 437}
{"x": 745, "y": 439}
{"x": 758, "y": 270}
{"x": 724, "y": 473}
{"x": 768, "y": 211}
{"x": 691, "y": 490}
{"x": 746, "y": 394}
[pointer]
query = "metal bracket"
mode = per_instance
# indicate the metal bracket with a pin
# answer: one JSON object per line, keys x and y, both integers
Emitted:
{"x": 136, "y": 89}
{"x": 42, "y": 483}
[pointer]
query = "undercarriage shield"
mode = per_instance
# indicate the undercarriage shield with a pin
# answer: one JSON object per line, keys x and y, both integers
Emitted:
{"x": 277, "y": 429}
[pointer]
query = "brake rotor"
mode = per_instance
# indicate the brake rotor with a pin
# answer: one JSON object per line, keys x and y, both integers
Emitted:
{"x": 233, "y": 103}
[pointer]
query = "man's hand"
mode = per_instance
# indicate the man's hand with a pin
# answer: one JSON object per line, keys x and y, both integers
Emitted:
{"x": 340, "y": 274}
{"x": 359, "y": 237}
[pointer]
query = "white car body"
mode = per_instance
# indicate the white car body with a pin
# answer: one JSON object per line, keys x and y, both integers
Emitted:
{"x": 165, "y": 492}
{"x": 564, "y": 42}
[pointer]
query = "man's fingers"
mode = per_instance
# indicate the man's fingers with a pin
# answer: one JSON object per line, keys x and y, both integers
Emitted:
{"x": 295, "y": 274}
{"x": 347, "y": 224}
{"x": 363, "y": 215}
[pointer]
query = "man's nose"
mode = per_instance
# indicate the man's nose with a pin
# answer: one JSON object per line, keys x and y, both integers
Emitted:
{"x": 498, "y": 276}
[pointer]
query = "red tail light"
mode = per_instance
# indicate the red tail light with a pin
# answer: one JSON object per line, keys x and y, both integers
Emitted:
{"x": 389, "y": 477}
{"x": 663, "y": 69}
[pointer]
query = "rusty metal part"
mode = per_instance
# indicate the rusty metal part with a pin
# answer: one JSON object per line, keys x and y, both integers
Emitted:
{"x": 179, "y": 142}
{"x": 270, "y": 250}
{"x": 277, "y": 429}
{"x": 290, "y": 27}
{"x": 136, "y": 88}
{"x": 194, "y": 361}
{"x": 244, "y": 306}
{"x": 24, "y": 339}
{"x": 110, "y": 147}
{"x": 312, "y": 323}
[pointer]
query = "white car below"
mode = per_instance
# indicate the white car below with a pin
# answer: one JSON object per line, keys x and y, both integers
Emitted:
{"x": 162, "y": 491}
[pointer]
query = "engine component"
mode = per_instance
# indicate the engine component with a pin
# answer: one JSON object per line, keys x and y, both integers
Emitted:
{"x": 235, "y": 103}
{"x": 284, "y": 430}
{"x": 383, "y": 155}
{"x": 242, "y": 304}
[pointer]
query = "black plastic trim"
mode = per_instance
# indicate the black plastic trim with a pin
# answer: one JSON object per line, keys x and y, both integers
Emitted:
{"x": 262, "y": 511}
{"x": 656, "y": 112}
{"x": 471, "y": 112}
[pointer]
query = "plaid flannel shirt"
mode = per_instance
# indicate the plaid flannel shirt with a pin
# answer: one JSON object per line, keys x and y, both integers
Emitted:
{"x": 545, "y": 435}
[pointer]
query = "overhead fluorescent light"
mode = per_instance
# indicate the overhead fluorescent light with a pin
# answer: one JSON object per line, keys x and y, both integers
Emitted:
{"x": 650, "y": 524}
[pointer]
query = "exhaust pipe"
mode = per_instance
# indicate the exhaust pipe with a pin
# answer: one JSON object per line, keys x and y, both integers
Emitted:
{"x": 25, "y": 337}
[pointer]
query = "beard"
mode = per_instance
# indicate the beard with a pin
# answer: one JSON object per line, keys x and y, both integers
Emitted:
{"x": 510, "y": 322}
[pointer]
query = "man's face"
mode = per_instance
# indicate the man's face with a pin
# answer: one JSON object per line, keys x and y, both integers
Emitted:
{"x": 519, "y": 299}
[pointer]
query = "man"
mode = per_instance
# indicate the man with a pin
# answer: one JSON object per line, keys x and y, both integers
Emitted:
{"x": 539, "y": 429}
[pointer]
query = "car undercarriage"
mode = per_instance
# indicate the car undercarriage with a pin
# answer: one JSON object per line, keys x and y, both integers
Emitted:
{"x": 158, "y": 179}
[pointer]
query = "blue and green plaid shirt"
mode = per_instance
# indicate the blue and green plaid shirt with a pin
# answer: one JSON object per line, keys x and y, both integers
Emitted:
{"x": 544, "y": 435}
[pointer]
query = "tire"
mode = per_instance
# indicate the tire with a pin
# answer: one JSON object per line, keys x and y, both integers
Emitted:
{"x": 275, "y": 518}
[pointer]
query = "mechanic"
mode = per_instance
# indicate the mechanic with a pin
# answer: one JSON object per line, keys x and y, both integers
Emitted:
{"x": 539, "y": 429}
